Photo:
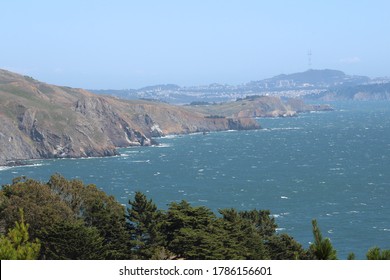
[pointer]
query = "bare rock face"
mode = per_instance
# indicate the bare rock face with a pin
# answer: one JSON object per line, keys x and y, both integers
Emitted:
{"x": 38, "y": 120}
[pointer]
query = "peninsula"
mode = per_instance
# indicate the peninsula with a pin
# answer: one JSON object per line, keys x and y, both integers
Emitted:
{"x": 39, "y": 120}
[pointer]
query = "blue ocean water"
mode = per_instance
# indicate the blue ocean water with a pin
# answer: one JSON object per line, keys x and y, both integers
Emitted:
{"x": 329, "y": 166}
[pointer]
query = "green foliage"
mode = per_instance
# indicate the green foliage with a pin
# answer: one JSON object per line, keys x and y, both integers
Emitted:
{"x": 97, "y": 210}
{"x": 284, "y": 247}
{"x": 72, "y": 241}
{"x": 76, "y": 221}
{"x": 244, "y": 234}
{"x": 351, "y": 256}
{"x": 262, "y": 220}
{"x": 321, "y": 249}
{"x": 41, "y": 206}
{"x": 60, "y": 205}
{"x": 16, "y": 245}
{"x": 144, "y": 221}
{"x": 191, "y": 232}
{"x": 377, "y": 254}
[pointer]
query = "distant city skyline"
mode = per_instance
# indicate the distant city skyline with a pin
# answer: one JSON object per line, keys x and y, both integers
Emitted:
{"x": 131, "y": 44}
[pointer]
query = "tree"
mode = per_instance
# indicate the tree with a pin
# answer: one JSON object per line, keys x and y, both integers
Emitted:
{"x": 321, "y": 249}
{"x": 262, "y": 220}
{"x": 243, "y": 235}
{"x": 284, "y": 247}
{"x": 351, "y": 256}
{"x": 377, "y": 254}
{"x": 72, "y": 241}
{"x": 97, "y": 210}
{"x": 144, "y": 221}
{"x": 192, "y": 232}
{"x": 16, "y": 245}
{"x": 41, "y": 206}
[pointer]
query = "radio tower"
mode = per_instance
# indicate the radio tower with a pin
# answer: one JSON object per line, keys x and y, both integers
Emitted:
{"x": 309, "y": 58}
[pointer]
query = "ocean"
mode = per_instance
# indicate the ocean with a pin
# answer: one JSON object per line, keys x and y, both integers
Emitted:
{"x": 330, "y": 166}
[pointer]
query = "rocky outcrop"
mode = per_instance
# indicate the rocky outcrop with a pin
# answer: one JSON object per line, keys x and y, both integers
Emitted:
{"x": 38, "y": 120}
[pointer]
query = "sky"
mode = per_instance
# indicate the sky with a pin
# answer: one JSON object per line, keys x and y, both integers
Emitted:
{"x": 131, "y": 44}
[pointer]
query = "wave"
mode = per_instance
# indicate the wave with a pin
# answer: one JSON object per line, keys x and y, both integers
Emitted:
{"x": 285, "y": 128}
{"x": 163, "y": 145}
{"x": 4, "y": 168}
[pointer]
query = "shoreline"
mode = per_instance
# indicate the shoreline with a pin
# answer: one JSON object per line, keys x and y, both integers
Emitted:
{"x": 24, "y": 162}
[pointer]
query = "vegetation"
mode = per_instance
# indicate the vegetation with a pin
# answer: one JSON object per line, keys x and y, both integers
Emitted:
{"x": 65, "y": 219}
{"x": 16, "y": 245}
{"x": 321, "y": 249}
{"x": 377, "y": 254}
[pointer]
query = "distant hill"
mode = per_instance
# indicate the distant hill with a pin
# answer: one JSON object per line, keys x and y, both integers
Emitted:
{"x": 311, "y": 78}
{"x": 289, "y": 85}
{"x": 359, "y": 92}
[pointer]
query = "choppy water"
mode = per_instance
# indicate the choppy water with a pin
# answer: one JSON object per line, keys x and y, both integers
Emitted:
{"x": 332, "y": 166}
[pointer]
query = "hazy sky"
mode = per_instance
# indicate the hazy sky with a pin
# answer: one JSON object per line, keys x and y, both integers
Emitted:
{"x": 129, "y": 44}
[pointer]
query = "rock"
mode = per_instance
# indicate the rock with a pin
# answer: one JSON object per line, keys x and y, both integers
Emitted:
{"x": 46, "y": 121}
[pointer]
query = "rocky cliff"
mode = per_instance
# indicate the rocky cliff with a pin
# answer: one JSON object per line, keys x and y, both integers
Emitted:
{"x": 38, "y": 120}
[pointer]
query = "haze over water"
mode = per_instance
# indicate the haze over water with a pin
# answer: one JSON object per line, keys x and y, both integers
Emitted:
{"x": 331, "y": 166}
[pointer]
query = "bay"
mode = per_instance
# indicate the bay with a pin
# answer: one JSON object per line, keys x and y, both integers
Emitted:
{"x": 329, "y": 166}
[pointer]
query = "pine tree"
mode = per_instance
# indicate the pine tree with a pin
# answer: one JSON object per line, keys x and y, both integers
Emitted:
{"x": 322, "y": 249}
{"x": 377, "y": 254}
{"x": 16, "y": 245}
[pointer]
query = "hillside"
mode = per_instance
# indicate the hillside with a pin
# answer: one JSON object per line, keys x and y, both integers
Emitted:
{"x": 379, "y": 91}
{"x": 38, "y": 120}
{"x": 259, "y": 106}
{"x": 311, "y": 78}
{"x": 300, "y": 84}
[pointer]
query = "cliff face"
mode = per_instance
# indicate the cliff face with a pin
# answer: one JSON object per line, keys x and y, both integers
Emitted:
{"x": 38, "y": 120}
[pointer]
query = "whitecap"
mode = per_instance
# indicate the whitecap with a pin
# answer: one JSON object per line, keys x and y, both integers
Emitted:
{"x": 284, "y": 197}
{"x": 163, "y": 145}
{"x": 170, "y": 136}
{"x": 286, "y": 128}
{"x": 280, "y": 229}
{"x": 2, "y": 168}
